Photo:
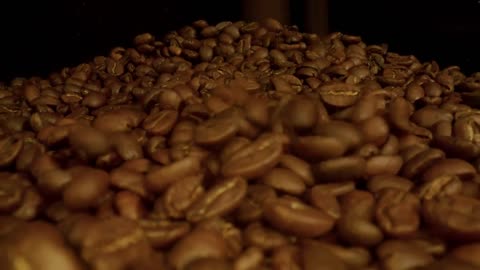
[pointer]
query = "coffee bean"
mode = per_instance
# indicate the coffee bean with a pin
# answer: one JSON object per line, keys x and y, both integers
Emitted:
{"x": 284, "y": 180}
{"x": 264, "y": 238}
{"x": 85, "y": 188}
{"x": 198, "y": 244}
{"x": 219, "y": 200}
{"x": 255, "y": 159}
{"x": 297, "y": 218}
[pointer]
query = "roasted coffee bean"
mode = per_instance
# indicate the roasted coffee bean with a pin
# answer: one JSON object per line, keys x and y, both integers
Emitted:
{"x": 37, "y": 245}
{"x": 159, "y": 178}
{"x": 391, "y": 202}
{"x": 297, "y": 218}
{"x": 198, "y": 244}
{"x": 255, "y": 159}
{"x": 85, "y": 188}
{"x": 219, "y": 200}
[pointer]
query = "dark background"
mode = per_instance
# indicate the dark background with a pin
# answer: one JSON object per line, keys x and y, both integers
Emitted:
{"x": 37, "y": 38}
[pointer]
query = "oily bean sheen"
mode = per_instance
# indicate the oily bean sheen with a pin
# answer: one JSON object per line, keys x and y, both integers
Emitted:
{"x": 244, "y": 145}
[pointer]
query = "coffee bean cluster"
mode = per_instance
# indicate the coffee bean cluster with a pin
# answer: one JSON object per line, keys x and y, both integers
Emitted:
{"x": 242, "y": 146}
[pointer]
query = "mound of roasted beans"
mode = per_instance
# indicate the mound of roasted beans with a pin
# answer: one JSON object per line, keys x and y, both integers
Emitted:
{"x": 242, "y": 146}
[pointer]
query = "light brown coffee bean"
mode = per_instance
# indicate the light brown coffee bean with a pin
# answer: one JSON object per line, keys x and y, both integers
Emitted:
{"x": 94, "y": 100}
{"x": 299, "y": 166}
{"x": 126, "y": 146}
{"x": 37, "y": 245}
{"x": 391, "y": 146}
{"x": 421, "y": 161}
{"x": 429, "y": 116}
{"x": 345, "y": 131}
{"x": 257, "y": 111}
{"x": 453, "y": 216}
{"x": 449, "y": 166}
{"x": 119, "y": 120}
{"x": 319, "y": 147}
{"x": 53, "y": 181}
{"x": 115, "y": 243}
{"x": 251, "y": 208}
{"x": 314, "y": 255}
{"x": 457, "y": 147}
{"x": 380, "y": 182}
{"x": 353, "y": 256}
{"x": 257, "y": 235}
{"x": 340, "y": 169}
{"x": 300, "y": 114}
{"x": 256, "y": 159}
{"x": 85, "y": 188}
{"x": 232, "y": 146}
{"x": 250, "y": 259}
{"x": 339, "y": 94}
{"x": 383, "y": 164}
{"x": 319, "y": 197}
{"x": 284, "y": 180}
{"x": 129, "y": 205}
{"x": 10, "y": 148}
{"x": 231, "y": 234}
{"x": 287, "y": 257}
{"x": 128, "y": 179}
{"x": 219, "y": 200}
{"x": 375, "y": 130}
{"x": 182, "y": 194}
{"x": 440, "y": 186}
{"x": 88, "y": 141}
{"x": 397, "y": 212}
{"x": 183, "y": 132}
{"x": 398, "y": 255}
{"x": 218, "y": 129}
{"x": 297, "y": 218}
{"x": 162, "y": 233}
{"x": 356, "y": 223}
{"x": 160, "y": 123}
{"x": 159, "y": 178}
{"x": 198, "y": 244}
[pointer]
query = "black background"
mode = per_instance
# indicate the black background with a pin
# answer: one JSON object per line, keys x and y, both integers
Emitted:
{"x": 43, "y": 36}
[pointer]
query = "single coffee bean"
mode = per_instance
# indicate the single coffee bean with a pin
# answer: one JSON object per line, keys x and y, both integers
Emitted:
{"x": 161, "y": 233}
{"x": 129, "y": 205}
{"x": 380, "y": 182}
{"x": 257, "y": 235}
{"x": 231, "y": 234}
{"x": 85, "y": 188}
{"x": 319, "y": 147}
{"x": 37, "y": 245}
{"x": 287, "y": 257}
{"x": 345, "y": 131}
{"x": 182, "y": 194}
{"x": 219, "y": 200}
{"x": 297, "y": 218}
{"x": 256, "y": 159}
{"x": 198, "y": 244}
{"x": 89, "y": 142}
{"x": 390, "y": 203}
{"x": 159, "y": 178}
{"x": 218, "y": 129}
{"x": 128, "y": 179}
{"x": 284, "y": 180}
{"x": 453, "y": 216}
{"x": 251, "y": 258}
{"x": 340, "y": 169}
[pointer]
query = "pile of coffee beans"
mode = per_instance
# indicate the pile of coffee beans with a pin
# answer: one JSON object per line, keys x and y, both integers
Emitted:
{"x": 242, "y": 146}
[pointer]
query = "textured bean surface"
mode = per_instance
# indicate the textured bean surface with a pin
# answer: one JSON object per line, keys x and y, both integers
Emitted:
{"x": 242, "y": 146}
